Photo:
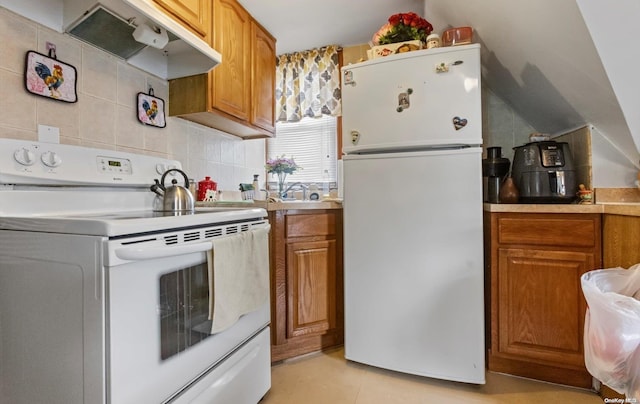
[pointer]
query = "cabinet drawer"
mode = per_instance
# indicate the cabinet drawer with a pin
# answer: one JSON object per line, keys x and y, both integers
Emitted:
{"x": 547, "y": 230}
{"x": 321, "y": 224}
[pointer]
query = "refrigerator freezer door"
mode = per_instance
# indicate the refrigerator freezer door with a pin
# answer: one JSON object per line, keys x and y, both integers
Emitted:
{"x": 413, "y": 263}
{"x": 388, "y": 103}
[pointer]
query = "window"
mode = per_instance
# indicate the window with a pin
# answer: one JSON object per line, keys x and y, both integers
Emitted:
{"x": 312, "y": 144}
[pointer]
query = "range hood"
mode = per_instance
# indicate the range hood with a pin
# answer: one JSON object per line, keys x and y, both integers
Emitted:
{"x": 163, "y": 47}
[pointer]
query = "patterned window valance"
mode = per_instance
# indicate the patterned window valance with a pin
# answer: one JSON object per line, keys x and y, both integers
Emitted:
{"x": 308, "y": 84}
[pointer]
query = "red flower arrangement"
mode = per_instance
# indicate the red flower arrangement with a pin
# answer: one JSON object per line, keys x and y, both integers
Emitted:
{"x": 403, "y": 27}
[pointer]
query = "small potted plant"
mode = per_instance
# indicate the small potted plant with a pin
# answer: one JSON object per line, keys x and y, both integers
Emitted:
{"x": 281, "y": 166}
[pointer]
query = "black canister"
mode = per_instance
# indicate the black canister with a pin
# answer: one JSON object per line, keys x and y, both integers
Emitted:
{"x": 495, "y": 168}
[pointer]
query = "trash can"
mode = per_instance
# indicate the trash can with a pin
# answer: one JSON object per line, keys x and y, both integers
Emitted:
{"x": 612, "y": 328}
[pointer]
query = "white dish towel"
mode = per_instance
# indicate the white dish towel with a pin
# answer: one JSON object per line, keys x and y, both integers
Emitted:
{"x": 238, "y": 276}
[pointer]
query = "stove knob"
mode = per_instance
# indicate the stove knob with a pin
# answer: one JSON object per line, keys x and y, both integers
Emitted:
{"x": 24, "y": 156}
{"x": 51, "y": 159}
{"x": 160, "y": 168}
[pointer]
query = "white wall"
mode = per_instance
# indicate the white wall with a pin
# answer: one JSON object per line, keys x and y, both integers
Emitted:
{"x": 47, "y": 13}
{"x": 609, "y": 167}
{"x": 613, "y": 25}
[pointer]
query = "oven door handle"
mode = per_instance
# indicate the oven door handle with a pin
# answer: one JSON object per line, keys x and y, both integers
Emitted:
{"x": 140, "y": 254}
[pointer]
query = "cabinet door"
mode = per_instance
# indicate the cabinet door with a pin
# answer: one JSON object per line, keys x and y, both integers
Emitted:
{"x": 540, "y": 305}
{"x": 194, "y": 14}
{"x": 311, "y": 287}
{"x": 620, "y": 241}
{"x": 231, "y": 80}
{"x": 263, "y": 69}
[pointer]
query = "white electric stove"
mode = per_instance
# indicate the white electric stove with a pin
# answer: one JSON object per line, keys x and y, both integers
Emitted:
{"x": 103, "y": 299}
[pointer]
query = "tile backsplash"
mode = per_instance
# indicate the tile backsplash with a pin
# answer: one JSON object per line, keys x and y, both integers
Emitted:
{"x": 502, "y": 126}
{"x": 579, "y": 141}
{"x": 105, "y": 115}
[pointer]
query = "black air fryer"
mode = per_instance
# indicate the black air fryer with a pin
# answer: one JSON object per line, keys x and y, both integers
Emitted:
{"x": 544, "y": 173}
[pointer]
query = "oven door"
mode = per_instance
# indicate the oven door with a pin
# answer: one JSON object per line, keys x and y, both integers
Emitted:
{"x": 158, "y": 342}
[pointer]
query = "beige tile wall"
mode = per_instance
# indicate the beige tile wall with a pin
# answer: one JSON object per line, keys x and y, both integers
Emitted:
{"x": 105, "y": 114}
{"x": 579, "y": 141}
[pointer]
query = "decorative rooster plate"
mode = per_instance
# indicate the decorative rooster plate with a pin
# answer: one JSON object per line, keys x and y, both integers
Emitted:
{"x": 48, "y": 77}
{"x": 151, "y": 110}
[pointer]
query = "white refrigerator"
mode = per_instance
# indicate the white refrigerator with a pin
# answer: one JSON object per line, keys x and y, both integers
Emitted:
{"x": 413, "y": 238}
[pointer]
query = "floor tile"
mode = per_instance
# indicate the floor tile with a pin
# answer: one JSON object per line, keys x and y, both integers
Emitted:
{"x": 327, "y": 378}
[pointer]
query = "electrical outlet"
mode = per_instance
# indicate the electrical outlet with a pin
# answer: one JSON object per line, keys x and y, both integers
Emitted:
{"x": 48, "y": 134}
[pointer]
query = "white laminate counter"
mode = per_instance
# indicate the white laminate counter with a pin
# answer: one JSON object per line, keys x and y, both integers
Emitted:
{"x": 271, "y": 206}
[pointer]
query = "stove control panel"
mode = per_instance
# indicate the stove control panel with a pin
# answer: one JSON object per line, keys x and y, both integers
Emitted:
{"x": 24, "y": 162}
{"x": 114, "y": 165}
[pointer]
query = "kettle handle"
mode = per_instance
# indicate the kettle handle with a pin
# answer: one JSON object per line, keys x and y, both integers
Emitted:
{"x": 157, "y": 187}
{"x": 186, "y": 179}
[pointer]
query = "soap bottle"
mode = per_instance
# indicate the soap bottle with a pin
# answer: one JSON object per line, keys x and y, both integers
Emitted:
{"x": 257, "y": 194}
{"x": 325, "y": 184}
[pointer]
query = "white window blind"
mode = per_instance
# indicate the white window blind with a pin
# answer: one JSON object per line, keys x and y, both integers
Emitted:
{"x": 312, "y": 144}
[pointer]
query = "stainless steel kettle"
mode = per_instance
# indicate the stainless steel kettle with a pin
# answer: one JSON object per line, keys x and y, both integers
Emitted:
{"x": 175, "y": 198}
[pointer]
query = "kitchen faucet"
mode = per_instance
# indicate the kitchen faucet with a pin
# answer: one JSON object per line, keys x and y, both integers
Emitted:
{"x": 301, "y": 185}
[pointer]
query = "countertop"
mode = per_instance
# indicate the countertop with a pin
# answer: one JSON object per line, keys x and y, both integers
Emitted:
{"x": 613, "y": 208}
{"x": 271, "y": 206}
{"x": 613, "y": 201}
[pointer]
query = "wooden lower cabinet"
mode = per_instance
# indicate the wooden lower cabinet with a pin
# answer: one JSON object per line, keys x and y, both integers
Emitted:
{"x": 306, "y": 281}
{"x": 620, "y": 242}
{"x": 537, "y": 309}
{"x": 620, "y": 238}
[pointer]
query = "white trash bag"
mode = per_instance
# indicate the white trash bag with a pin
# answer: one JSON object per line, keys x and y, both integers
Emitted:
{"x": 612, "y": 328}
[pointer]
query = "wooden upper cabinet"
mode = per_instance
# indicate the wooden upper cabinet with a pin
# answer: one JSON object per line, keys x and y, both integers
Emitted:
{"x": 263, "y": 78}
{"x": 231, "y": 80}
{"x": 193, "y": 14}
{"x": 237, "y": 96}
